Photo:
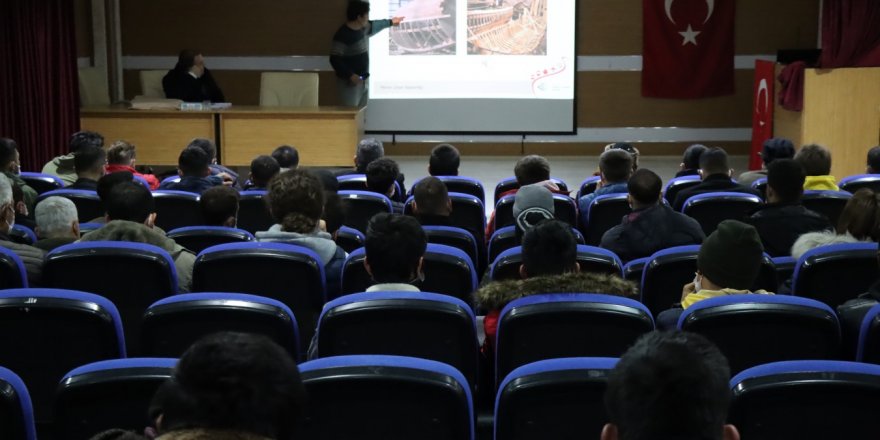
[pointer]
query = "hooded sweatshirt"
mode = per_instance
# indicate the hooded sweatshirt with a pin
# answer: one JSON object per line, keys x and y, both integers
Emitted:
{"x": 820, "y": 183}
{"x": 812, "y": 240}
{"x": 321, "y": 243}
{"x": 62, "y": 166}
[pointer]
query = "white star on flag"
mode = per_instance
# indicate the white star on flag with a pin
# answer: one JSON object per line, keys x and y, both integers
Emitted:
{"x": 690, "y": 36}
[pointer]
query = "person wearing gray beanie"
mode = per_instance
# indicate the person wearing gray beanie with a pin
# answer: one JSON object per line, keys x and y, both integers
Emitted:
{"x": 532, "y": 204}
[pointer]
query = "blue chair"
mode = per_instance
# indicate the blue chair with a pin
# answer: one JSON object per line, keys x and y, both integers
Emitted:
{"x": 85, "y": 228}
{"x": 588, "y": 186}
{"x": 22, "y": 234}
{"x": 415, "y": 324}
{"x": 828, "y": 203}
{"x": 554, "y": 398}
{"x": 590, "y": 259}
{"x": 361, "y": 206}
{"x": 47, "y": 332}
{"x": 358, "y": 182}
{"x": 565, "y": 209}
{"x": 559, "y": 325}
{"x": 177, "y": 209}
{"x": 757, "y": 329}
{"x": 170, "y": 179}
{"x": 761, "y": 186}
{"x": 455, "y": 237}
{"x": 16, "y": 410}
{"x": 350, "y": 239}
{"x": 836, "y": 273}
{"x": 199, "y": 238}
{"x": 869, "y": 337}
{"x": 784, "y": 268}
{"x": 510, "y": 183}
{"x": 632, "y": 271}
{"x": 114, "y": 394}
{"x": 604, "y": 213}
{"x": 385, "y": 397}
{"x": 88, "y": 204}
{"x": 253, "y": 214}
{"x": 459, "y": 184}
{"x": 132, "y": 275}
{"x": 854, "y": 183}
{"x": 806, "y": 400}
{"x": 171, "y": 325}
{"x": 293, "y": 275}
{"x": 42, "y": 183}
{"x": 142, "y": 181}
{"x": 710, "y": 209}
{"x": 505, "y": 238}
{"x": 447, "y": 270}
{"x": 12, "y": 272}
{"x": 674, "y": 186}
{"x": 468, "y": 213}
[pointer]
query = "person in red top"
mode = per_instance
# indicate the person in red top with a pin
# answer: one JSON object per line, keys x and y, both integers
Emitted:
{"x": 121, "y": 157}
{"x": 529, "y": 170}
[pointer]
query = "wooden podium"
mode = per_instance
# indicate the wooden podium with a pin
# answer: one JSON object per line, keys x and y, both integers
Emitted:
{"x": 841, "y": 112}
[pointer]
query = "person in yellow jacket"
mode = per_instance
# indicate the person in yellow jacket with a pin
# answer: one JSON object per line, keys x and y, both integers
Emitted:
{"x": 816, "y": 161}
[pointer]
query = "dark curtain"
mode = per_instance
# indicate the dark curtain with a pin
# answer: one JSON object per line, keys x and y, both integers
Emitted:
{"x": 850, "y": 33}
{"x": 39, "y": 95}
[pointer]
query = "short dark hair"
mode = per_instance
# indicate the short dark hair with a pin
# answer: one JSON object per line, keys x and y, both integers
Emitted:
{"x": 233, "y": 381}
{"x": 531, "y": 169}
{"x": 815, "y": 159}
{"x": 874, "y": 160}
{"x": 109, "y": 181}
{"x": 444, "y": 160}
{"x": 286, "y": 156}
{"x": 121, "y": 153}
{"x": 89, "y": 159}
{"x": 786, "y": 177}
{"x": 861, "y": 216}
{"x": 186, "y": 59}
{"x": 334, "y": 212}
{"x": 431, "y": 196}
{"x": 549, "y": 249}
{"x": 356, "y": 8}
{"x": 714, "y": 161}
{"x": 206, "y": 145}
{"x": 616, "y": 165}
{"x": 394, "y": 245}
{"x": 669, "y": 384}
{"x": 82, "y": 139}
{"x": 776, "y": 148}
{"x": 8, "y": 147}
{"x": 629, "y": 148}
{"x": 263, "y": 169}
{"x": 328, "y": 180}
{"x": 645, "y": 186}
{"x": 368, "y": 150}
{"x": 691, "y": 157}
{"x": 130, "y": 201}
{"x": 381, "y": 175}
{"x": 296, "y": 200}
{"x": 194, "y": 161}
{"x": 218, "y": 203}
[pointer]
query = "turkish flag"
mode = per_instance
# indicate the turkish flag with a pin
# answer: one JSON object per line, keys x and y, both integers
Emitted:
{"x": 762, "y": 112}
{"x": 688, "y": 48}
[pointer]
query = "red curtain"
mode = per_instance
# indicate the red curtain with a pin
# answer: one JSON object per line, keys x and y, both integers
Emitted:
{"x": 850, "y": 33}
{"x": 39, "y": 95}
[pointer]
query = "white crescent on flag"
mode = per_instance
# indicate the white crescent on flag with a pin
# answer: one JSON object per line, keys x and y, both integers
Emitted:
{"x": 709, "y": 3}
{"x": 762, "y": 88}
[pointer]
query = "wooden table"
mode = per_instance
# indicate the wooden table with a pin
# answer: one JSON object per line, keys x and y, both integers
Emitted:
{"x": 324, "y": 136}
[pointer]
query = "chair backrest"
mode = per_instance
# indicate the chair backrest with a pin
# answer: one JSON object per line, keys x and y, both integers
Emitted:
{"x": 89, "y": 227}
{"x": 632, "y": 271}
{"x": 869, "y": 337}
{"x": 463, "y": 185}
{"x": 93, "y": 87}
{"x": 710, "y": 209}
{"x": 604, "y": 213}
{"x": 565, "y": 209}
{"x": 511, "y": 183}
{"x": 385, "y": 397}
{"x": 416, "y": 324}
{"x": 590, "y": 259}
{"x": 358, "y": 182}
{"x": 171, "y": 325}
{"x": 588, "y": 186}
{"x": 289, "y": 89}
{"x": 757, "y": 329}
{"x": 468, "y": 212}
{"x": 113, "y": 394}
{"x": 293, "y": 275}
{"x": 828, "y": 203}
{"x": 560, "y": 325}
{"x": 170, "y": 179}
{"x": 836, "y": 273}
{"x": 673, "y": 186}
{"x": 12, "y": 272}
{"x": 854, "y": 183}
{"x": 88, "y": 204}
{"x": 454, "y": 237}
{"x": 361, "y": 206}
{"x": 22, "y": 234}
{"x": 177, "y": 209}
{"x": 761, "y": 185}
{"x": 132, "y": 275}
{"x": 806, "y": 399}
{"x": 505, "y": 238}
{"x": 47, "y": 332}
{"x": 554, "y": 398}
{"x": 199, "y": 238}
{"x": 253, "y": 214}
{"x": 350, "y": 239}
{"x": 42, "y": 183}
{"x": 151, "y": 83}
{"x": 16, "y": 410}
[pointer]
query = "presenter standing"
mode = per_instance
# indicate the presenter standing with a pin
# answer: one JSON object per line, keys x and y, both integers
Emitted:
{"x": 350, "y": 55}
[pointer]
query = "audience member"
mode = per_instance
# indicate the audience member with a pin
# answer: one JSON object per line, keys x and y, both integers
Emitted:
{"x": 816, "y": 161}
{"x": 296, "y": 202}
{"x": 873, "y": 161}
{"x": 287, "y": 157}
{"x": 532, "y": 205}
{"x": 219, "y": 206}
{"x": 218, "y": 172}
{"x": 328, "y": 180}
{"x": 859, "y": 222}
{"x": 193, "y": 167}
{"x": 528, "y": 170}
{"x": 629, "y": 148}
{"x": 773, "y": 149}
{"x": 131, "y": 215}
{"x": 783, "y": 219}
{"x": 852, "y": 313}
{"x": 31, "y": 257}
{"x": 652, "y": 225}
{"x": 715, "y": 173}
{"x": 57, "y": 223}
{"x": 231, "y": 386}
{"x": 263, "y": 169}
{"x": 615, "y": 167}
{"x": 190, "y": 80}
{"x": 106, "y": 184}
{"x": 432, "y": 206}
{"x": 369, "y": 150}
{"x": 22, "y": 214}
{"x": 669, "y": 385}
{"x": 381, "y": 177}
{"x": 10, "y": 166}
{"x": 89, "y": 164}
{"x": 122, "y": 156}
{"x": 334, "y": 214}
{"x": 690, "y": 161}
{"x": 62, "y": 166}
{"x": 395, "y": 249}
{"x": 444, "y": 161}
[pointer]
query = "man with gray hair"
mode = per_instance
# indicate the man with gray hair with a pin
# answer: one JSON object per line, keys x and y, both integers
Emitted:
{"x": 57, "y": 223}
{"x": 30, "y": 256}
{"x": 368, "y": 150}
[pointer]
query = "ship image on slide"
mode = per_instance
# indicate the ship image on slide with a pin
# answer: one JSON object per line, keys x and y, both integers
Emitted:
{"x": 507, "y": 27}
{"x": 429, "y": 27}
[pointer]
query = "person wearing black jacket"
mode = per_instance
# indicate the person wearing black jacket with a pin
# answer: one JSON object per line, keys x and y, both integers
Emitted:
{"x": 190, "y": 80}
{"x": 715, "y": 172}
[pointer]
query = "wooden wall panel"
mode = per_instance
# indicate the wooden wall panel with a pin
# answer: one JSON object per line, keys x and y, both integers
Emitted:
{"x": 83, "y": 23}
